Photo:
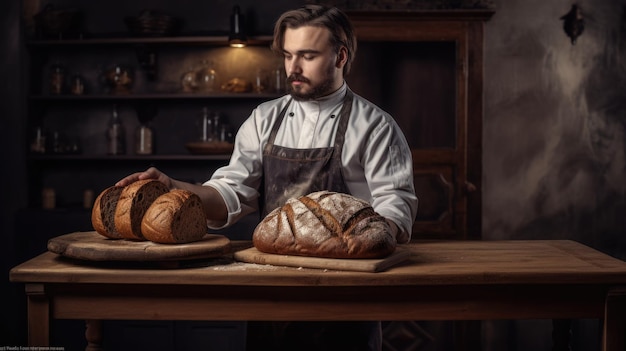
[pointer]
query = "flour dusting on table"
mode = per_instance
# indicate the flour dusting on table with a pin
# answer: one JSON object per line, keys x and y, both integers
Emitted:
{"x": 242, "y": 266}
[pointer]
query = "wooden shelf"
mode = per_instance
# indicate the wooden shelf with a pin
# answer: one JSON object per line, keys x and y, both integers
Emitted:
{"x": 221, "y": 40}
{"x": 155, "y": 96}
{"x": 118, "y": 158}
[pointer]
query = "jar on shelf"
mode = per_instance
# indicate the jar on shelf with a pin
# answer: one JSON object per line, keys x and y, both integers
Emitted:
{"x": 77, "y": 84}
{"x": 57, "y": 79}
{"x": 48, "y": 198}
{"x": 279, "y": 80}
{"x": 116, "y": 135}
{"x": 209, "y": 132}
{"x": 189, "y": 81}
{"x": 144, "y": 139}
{"x": 38, "y": 144}
{"x": 260, "y": 79}
{"x": 207, "y": 77}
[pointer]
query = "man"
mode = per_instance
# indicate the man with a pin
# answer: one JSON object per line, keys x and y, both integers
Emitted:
{"x": 321, "y": 136}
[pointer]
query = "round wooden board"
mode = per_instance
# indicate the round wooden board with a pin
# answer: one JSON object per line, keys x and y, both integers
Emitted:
{"x": 92, "y": 246}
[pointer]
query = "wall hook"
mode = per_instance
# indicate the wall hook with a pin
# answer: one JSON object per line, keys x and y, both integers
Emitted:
{"x": 573, "y": 23}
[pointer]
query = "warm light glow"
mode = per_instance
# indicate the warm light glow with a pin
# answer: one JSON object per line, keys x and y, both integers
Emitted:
{"x": 237, "y": 44}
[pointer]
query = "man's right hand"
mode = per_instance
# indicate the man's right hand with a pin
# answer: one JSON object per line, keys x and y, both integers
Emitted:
{"x": 150, "y": 173}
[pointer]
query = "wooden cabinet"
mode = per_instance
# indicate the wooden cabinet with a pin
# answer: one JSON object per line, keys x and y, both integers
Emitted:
{"x": 425, "y": 68}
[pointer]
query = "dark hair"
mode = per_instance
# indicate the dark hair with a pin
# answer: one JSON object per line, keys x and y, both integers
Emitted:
{"x": 341, "y": 30}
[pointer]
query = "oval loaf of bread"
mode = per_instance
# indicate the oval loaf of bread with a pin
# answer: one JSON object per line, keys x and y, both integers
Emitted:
{"x": 103, "y": 212}
{"x": 325, "y": 224}
{"x": 133, "y": 204}
{"x": 175, "y": 217}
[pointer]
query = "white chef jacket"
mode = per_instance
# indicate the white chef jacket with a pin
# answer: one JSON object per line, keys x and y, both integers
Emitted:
{"x": 376, "y": 159}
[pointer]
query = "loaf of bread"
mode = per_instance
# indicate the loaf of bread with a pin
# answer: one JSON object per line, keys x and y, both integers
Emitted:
{"x": 325, "y": 224}
{"x": 103, "y": 212}
{"x": 175, "y": 217}
{"x": 134, "y": 201}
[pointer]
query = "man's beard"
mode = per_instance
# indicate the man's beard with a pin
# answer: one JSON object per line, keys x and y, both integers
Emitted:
{"x": 322, "y": 89}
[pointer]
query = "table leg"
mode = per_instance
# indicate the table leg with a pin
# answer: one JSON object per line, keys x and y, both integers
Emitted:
{"x": 561, "y": 334}
{"x": 38, "y": 315}
{"x": 614, "y": 333}
{"x": 93, "y": 334}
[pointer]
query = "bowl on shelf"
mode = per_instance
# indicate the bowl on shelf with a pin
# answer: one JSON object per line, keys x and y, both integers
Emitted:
{"x": 57, "y": 23}
{"x": 210, "y": 147}
{"x": 152, "y": 24}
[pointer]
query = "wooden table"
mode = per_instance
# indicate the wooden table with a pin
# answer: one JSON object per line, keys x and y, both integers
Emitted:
{"x": 443, "y": 280}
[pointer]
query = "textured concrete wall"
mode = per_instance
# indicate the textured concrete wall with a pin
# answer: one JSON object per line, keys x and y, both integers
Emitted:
{"x": 554, "y": 140}
{"x": 554, "y": 124}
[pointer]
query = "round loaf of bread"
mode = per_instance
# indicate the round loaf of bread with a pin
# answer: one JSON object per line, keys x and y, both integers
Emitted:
{"x": 175, "y": 217}
{"x": 325, "y": 224}
{"x": 103, "y": 212}
{"x": 134, "y": 201}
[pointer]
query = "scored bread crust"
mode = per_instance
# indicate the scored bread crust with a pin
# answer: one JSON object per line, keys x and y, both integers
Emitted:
{"x": 133, "y": 203}
{"x": 325, "y": 224}
{"x": 103, "y": 212}
{"x": 175, "y": 217}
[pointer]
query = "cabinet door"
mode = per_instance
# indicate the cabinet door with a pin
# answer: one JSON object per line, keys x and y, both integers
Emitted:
{"x": 174, "y": 335}
{"x": 423, "y": 72}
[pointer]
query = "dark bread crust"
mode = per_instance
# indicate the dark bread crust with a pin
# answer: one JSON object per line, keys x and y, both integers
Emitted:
{"x": 133, "y": 203}
{"x": 103, "y": 212}
{"x": 325, "y": 224}
{"x": 175, "y": 217}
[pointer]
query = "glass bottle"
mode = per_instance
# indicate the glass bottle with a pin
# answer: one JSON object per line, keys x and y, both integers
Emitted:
{"x": 144, "y": 139}
{"x": 278, "y": 80}
{"x": 39, "y": 142}
{"x": 208, "y": 129}
{"x": 116, "y": 135}
{"x": 259, "y": 81}
{"x": 217, "y": 126}
{"x": 77, "y": 86}
{"x": 57, "y": 79}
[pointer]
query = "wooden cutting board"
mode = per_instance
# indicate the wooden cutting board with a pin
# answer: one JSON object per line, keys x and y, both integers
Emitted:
{"x": 252, "y": 255}
{"x": 92, "y": 246}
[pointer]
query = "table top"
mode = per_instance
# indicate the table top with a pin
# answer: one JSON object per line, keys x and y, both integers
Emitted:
{"x": 431, "y": 263}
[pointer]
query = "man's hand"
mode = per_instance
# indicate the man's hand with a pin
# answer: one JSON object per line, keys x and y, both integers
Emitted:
{"x": 150, "y": 173}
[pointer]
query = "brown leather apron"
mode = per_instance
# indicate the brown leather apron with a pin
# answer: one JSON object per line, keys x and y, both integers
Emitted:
{"x": 290, "y": 173}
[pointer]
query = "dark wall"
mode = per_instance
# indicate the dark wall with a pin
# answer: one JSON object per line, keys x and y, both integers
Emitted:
{"x": 12, "y": 173}
{"x": 554, "y": 142}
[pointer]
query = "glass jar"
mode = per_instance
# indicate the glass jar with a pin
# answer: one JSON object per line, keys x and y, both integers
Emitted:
{"x": 189, "y": 81}
{"x": 144, "y": 140}
{"x": 278, "y": 80}
{"x": 57, "y": 79}
{"x": 259, "y": 81}
{"x": 116, "y": 136}
{"x": 207, "y": 77}
{"x": 77, "y": 85}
